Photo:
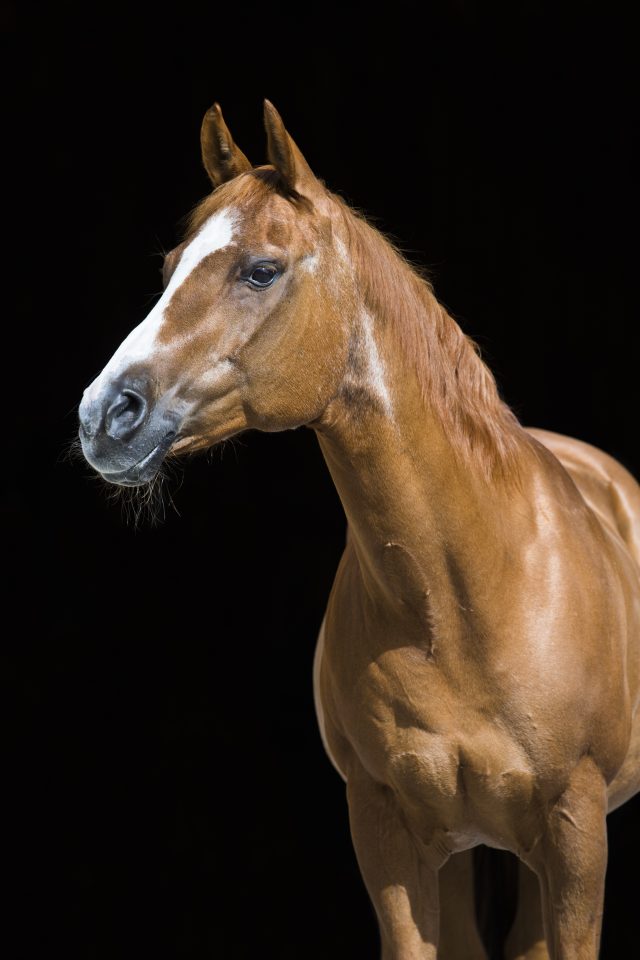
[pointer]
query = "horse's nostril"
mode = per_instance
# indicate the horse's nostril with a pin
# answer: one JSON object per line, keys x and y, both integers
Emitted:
{"x": 131, "y": 405}
{"x": 125, "y": 414}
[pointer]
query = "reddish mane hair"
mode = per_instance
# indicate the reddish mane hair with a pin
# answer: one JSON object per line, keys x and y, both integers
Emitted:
{"x": 454, "y": 381}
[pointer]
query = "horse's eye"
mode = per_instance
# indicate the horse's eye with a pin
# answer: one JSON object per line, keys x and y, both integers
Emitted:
{"x": 263, "y": 276}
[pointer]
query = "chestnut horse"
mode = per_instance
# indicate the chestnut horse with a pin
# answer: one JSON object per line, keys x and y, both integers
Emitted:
{"x": 477, "y": 675}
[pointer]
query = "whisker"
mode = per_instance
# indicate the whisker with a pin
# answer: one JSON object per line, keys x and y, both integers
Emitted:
{"x": 71, "y": 451}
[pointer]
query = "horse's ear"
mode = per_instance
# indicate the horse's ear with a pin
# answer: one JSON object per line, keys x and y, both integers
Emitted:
{"x": 285, "y": 156}
{"x": 222, "y": 159}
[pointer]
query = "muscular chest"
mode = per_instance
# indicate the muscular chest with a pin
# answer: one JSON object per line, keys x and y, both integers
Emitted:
{"x": 452, "y": 767}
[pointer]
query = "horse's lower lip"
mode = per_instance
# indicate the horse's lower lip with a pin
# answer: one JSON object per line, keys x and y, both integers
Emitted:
{"x": 145, "y": 469}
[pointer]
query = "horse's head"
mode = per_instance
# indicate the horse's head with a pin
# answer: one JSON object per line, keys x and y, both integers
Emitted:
{"x": 248, "y": 332}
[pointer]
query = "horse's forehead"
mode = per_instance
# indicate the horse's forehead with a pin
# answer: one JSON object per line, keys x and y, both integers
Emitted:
{"x": 261, "y": 215}
{"x": 277, "y": 222}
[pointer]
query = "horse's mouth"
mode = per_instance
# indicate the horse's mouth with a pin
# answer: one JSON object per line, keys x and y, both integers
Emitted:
{"x": 145, "y": 469}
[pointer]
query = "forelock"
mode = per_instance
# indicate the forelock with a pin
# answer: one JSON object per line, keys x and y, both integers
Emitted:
{"x": 250, "y": 190}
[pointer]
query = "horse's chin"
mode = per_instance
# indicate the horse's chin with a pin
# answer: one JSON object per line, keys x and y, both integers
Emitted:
{"x": 144, "y": 470}
{"x": 198, "y": 442}
{"x": 187, "y": 445}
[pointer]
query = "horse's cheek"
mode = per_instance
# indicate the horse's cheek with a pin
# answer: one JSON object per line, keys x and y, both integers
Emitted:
{"x": 295, "y": 366}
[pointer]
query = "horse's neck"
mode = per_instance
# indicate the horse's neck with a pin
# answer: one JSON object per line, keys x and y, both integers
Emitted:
{"x": 427, "y": 529}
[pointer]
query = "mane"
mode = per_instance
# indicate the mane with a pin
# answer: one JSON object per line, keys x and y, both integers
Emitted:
{"x": 454, "y": 381}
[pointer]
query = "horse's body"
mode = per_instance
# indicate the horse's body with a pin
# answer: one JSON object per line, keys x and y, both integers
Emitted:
{"x": 477, "y": 677}
{"x": 491, "y": 758}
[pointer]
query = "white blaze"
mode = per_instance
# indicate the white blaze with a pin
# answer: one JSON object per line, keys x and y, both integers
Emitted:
{"x": 215, "y": 234}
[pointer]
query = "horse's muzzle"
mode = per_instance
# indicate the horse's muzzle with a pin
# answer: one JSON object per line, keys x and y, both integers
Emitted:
{"x": 123, "y": 434}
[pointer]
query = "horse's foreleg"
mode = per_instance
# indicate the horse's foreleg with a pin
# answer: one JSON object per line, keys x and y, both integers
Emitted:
{"x": 459, "y": 934}
{"x": 526, "y": 939}
{"x": 570, "y": 861}
{"x": 402, "y": 883}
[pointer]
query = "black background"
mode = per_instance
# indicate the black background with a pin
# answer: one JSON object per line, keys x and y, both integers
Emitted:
{"x": 169, "y": 793}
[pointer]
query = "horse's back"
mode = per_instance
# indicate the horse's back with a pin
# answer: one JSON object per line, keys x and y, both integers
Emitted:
{"x": 609, "y": 489}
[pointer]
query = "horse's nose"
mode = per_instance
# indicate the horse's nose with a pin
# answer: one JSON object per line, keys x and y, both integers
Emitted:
{"x": 125, "y": 413}
{"x": 119, "y": 412}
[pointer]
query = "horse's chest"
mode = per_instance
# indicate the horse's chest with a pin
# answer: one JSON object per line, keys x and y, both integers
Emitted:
{"x": 473, "y": 784}
{"x": 450, "y": 769}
